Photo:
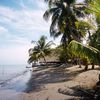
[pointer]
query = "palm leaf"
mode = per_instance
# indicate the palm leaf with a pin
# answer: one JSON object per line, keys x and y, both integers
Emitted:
{"x": 40, "y": 50}
{"x": 87, "y": 52}
{"x": 48, "y": 13}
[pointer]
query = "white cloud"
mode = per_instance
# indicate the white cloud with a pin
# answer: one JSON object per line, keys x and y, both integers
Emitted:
{"x": 3, "y": 30}
{"x": 17, "y": 40}
{"x": 24, "y": 20}
{"x": 25, "y": 23}
{"x": 41, "y": 4}
{"x": 22, "y": 25}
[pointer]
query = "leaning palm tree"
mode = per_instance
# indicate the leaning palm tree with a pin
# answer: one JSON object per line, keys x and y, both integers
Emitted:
{"x": 93, "y": 6}
{"x": 64, "y": 21}
{"x": 88, "y": 53}
{"x": 40, "y": 50}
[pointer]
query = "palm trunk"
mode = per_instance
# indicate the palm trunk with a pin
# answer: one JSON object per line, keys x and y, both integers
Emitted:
{"x": 92, "y": 65}
{"x": 86, "y": 66}
{"x": 65, "y": 49}
{"x": 79, "y": 62}
{"x": 45, "y": 60}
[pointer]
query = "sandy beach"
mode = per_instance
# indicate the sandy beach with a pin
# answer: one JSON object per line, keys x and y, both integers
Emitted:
{"x": 53, "y": 84}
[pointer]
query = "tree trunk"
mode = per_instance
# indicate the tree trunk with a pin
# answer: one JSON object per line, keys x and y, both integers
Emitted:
{"x": 45, "y": 60}
{"x": 92, "y": 65}
{"x": 79, "y": 62}
{"x": 65, "y": 50}
{"x": 86, "y": 66}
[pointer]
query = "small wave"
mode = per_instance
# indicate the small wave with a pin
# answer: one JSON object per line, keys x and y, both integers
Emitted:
{"x": 5, "y": 82}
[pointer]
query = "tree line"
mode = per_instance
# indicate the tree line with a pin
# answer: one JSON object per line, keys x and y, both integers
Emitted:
{"x": 76, "y": 23}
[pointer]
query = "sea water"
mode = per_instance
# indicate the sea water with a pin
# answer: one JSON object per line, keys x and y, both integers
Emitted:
{"x": 14, "y": 77}
{"x": 10, "y": 71}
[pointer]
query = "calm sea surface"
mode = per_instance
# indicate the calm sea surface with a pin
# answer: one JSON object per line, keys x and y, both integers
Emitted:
{"x": 14, "y": 77}
{"x": 10, "y": 71}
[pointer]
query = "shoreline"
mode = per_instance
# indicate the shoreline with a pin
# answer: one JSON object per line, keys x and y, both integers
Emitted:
{"x": 2, "y": 82}
{"x": 56, "y": 83}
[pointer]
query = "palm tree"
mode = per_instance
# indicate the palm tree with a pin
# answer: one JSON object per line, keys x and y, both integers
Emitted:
{"x": 40, "y": 50}
{"x": 95, "y": 42}
{"x": 88, "y": 53}
{"x": 63, "y": 21}
{"x": 94, "y": 39}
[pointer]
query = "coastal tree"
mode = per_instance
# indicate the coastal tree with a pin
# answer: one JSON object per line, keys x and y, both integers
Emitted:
{"x": 40, "y": 50}
{"x": 64, "y": 21}
{"x": 85, "y": 52}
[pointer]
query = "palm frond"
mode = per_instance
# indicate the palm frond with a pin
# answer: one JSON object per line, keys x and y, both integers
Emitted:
{"x": 87, "y": 52}
{"x": 49, "y": 44}
{"x": 48, "y": 13}
{"x": 50, "y": 2}
{"x": 40, "y": 50}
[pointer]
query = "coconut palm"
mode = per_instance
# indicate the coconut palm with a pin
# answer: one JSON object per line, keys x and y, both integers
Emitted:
{"x": 40, "y": 50}
{"x": 95, "y": 42}
{"x": 94, "y": 39}
{"x": 63, "y": 21}
{"x": 88, "y": 53}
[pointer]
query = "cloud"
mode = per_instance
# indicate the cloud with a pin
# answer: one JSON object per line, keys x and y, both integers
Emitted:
{"x": 3, "y": 30}
{"x": 24, "y": 20}
{"x": 23, "y": 25}
{"x": 18, "y": 40}
{"x": 41, "y": 4}
{"x": 18, "y": 27}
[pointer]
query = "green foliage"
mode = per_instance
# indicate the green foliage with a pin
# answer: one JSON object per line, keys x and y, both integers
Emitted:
{"x": 84, "y": 52}
{"x": 40, "y": 50}
{"x": 95, "y": 40}
{"x": 64, "y": 56}
{"x": 63, "y": 20}
{"x": 93, "y": 7}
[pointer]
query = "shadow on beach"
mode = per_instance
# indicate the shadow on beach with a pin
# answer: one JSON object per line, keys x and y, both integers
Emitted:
{"x": 49, "y": 75}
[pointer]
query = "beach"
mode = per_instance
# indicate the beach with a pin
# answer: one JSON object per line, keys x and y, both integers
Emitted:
{"x": 52, "y": 83}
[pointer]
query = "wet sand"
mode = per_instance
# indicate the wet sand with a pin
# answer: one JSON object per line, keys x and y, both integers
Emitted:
{"x": 52, "y": 84}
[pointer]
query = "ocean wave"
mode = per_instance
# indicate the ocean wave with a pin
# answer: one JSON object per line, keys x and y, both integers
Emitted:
{"x": 5, "y": 82}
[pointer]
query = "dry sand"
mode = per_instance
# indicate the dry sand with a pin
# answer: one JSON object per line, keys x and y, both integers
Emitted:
{"x": 58, "y": 83}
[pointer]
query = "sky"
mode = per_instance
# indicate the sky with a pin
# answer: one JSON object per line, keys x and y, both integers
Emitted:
{"x": 21, "y": 21}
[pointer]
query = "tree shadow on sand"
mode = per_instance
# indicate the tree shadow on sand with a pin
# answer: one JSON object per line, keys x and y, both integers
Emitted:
{"x": 81, "y": 93}
{"x": 49, "y": 75}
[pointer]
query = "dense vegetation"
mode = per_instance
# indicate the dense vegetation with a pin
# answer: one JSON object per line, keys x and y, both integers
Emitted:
{"x": 72, "y": 22}
{"x": 75, "y": 23}
{"x": 79, "y": 28}
{"x": 40, "y": 50}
